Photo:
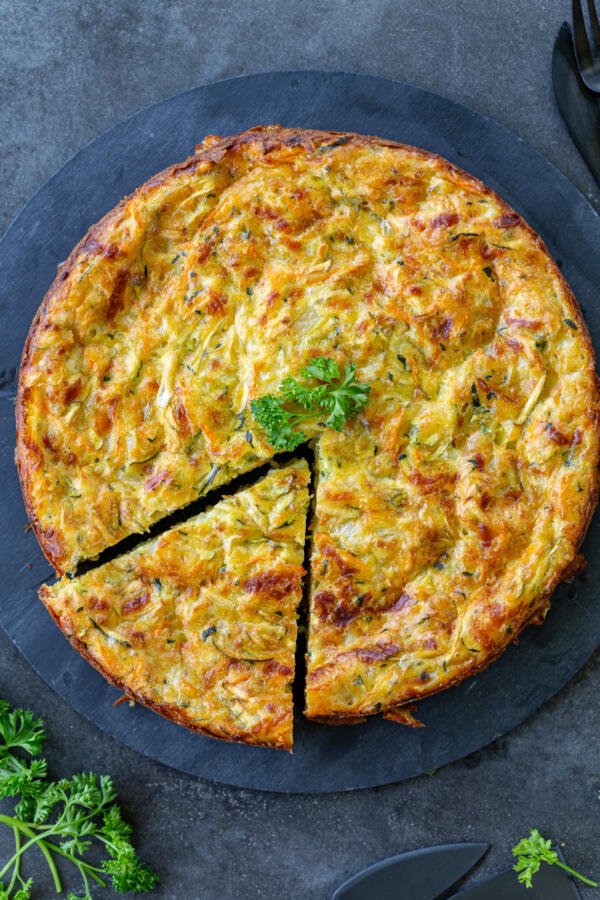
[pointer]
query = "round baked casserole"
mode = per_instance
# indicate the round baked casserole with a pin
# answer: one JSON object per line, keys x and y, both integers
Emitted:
{"x": 446, "y": 512}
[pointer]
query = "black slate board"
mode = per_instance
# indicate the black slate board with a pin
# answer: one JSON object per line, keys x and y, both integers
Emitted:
{"x": 459, "y": 721}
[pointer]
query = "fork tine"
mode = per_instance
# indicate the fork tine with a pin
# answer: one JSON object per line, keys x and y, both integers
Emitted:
{"x": 582, "y": 44}
{"x": 594, "y": 22}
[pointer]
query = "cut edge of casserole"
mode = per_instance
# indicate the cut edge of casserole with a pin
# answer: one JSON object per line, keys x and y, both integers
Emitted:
{"x": 199, "y": 624}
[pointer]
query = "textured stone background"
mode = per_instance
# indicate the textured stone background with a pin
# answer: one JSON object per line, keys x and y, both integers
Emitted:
{"x": 68, "y": 71}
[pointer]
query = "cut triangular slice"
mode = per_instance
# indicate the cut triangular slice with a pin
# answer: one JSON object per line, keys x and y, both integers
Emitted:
{"x": 200, "y": 623}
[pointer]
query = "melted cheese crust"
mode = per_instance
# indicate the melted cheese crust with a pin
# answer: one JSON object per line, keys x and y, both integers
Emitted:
{"x": 200, "y": 623}
{"x": 447, "y": 512}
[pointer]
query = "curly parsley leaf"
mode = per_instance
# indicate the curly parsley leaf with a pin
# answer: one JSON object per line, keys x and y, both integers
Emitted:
{"x": 278, "y": 423}
{"x": 22, "y": 893}
{"x": 327, "y": 394}
{"x": 62, "y": 818}
{"x": 127, "y": 871}
{"x": 534, "y": 850}
{"x": 20, "y": 730}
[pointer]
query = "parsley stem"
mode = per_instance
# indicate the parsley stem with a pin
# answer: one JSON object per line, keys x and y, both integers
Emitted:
{"x": 86, "y": 884}
{"x": 92, "y": 871}
{"x": 16, "y": 824}
{"x": 581, "y": 877}
{"x": 17, "y": 864}
{"x": 47, "y": 848}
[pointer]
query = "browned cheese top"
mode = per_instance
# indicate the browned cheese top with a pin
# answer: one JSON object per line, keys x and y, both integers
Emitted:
{"x": 447, "y": 511}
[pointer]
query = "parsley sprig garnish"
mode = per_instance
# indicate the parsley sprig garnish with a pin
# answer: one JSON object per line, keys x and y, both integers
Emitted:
{"x": 532, "y": 851}
{"x": 61, "y": 818}
{"x": 329, "y": 395}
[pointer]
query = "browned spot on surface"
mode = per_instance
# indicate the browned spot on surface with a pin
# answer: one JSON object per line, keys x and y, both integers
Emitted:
{"x": 329, "y": 609}
{"x": 161, "y": 477}
{"x": 512, "y": 495}
{"x": 402, "y": 602}
{"x": 345, "y": 568}
{"x": 430, "y": 484}
{"x": 373, "y": 655}
{"x": 265, "y": 213}
{"x": 444, "y": 220}
{"x": 276, "y": 668}
{"x": 490, "y": 252}
{"x": 514, "y": 345}
{"x": 340, "y": 611}
{"x": 442, "y": 329}
{"x": 277, "y": 584}
{"x": 180, "y": 414}
{"x": 205, "y": 251}
{"x": 486, "y": 534}
{"x": 324, "y": 604}
{"x": 116, "y": 301}
{"x": 216, "y": 304}
{"x": 49, "y": 443}
{"x": 556, "y": 436}
{"x": 98, "y": 603}
{"x": 95, "y": 248}
{"x": 52, "y": 544}
{"x": 370, "y": 656}
{"x": 72, "y": 391}
{"x": 339, "y": 496}
{"x": 485, "y": 501}
{"x": 508, "y": 220}
{"x": 532, "y": 324}
{"x": 269, "y": 303}
{"x": 477, "y": 461}
{"x": 104, "y": 416}
{"x": 138, "y": 637}
{"x": 136, "y": 603}
{"x": 484, "y": 386}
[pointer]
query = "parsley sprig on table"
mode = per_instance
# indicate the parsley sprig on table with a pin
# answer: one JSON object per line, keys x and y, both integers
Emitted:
{"x": 532, "y": 851}
{"x": 61, "y": 818}
{"x": 329, "y": 395}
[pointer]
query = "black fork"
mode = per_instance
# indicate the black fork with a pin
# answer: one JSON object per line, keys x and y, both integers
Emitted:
{"x": 586, "y": 51}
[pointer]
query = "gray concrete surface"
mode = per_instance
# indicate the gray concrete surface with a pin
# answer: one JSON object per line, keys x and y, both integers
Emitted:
{"x": 68, "y": 71}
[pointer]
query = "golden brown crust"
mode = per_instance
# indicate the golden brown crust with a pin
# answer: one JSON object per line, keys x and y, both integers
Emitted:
{"x": 365, "y": 250}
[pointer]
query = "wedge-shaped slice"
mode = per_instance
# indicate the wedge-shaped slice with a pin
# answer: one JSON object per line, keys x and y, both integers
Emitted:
{"x": 200, "y": 623}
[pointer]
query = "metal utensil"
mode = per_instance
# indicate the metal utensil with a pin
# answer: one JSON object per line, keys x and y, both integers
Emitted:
{"x": 549, "y": 883}
{"x": 417, "y": 875}
{"x": 580, "y": 108}
{"x": 428, "y": 874}
{"x": 586, "y": 51}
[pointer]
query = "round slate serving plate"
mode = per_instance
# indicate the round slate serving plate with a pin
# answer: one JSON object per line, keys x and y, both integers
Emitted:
{"x": 458, "y": 721}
